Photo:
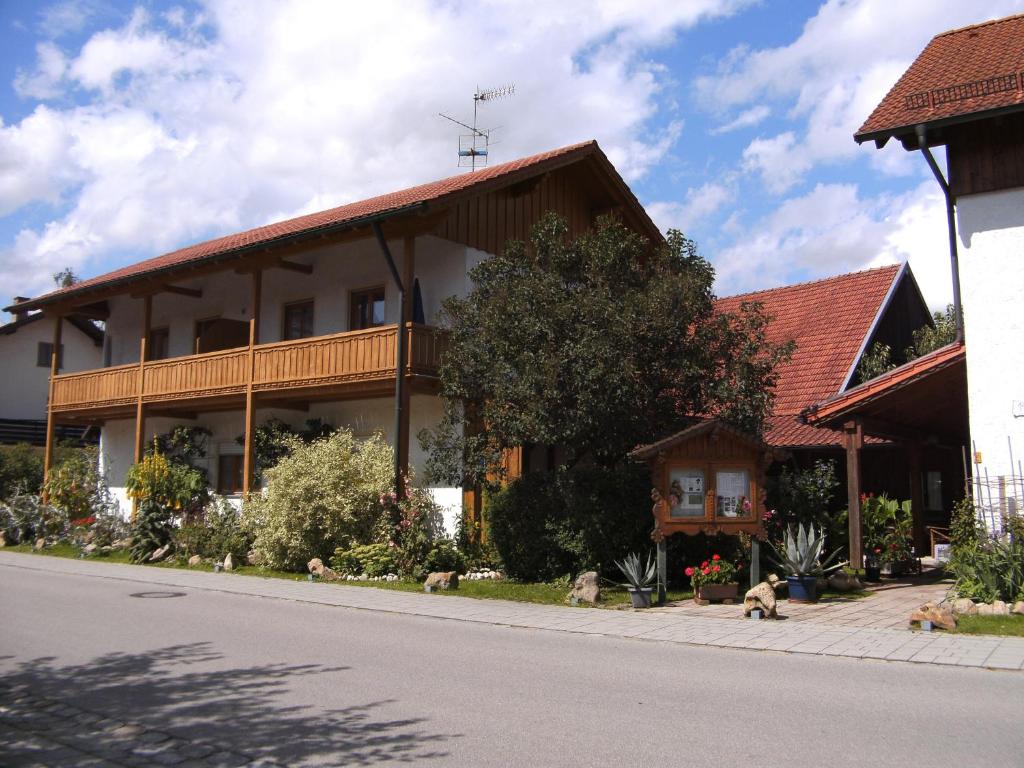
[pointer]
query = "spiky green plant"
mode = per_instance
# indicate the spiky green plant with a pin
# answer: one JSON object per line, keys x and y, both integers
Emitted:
{"x": 637, "y": 577}
{"x": 801, "y": 553}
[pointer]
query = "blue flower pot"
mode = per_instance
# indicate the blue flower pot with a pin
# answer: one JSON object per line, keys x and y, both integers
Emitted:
{"x": 803, "y": 589}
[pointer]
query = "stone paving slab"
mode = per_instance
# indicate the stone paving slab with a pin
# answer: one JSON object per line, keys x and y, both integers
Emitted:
{"x": 812, "y": 638}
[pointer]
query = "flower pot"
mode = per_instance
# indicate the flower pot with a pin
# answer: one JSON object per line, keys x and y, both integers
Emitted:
{"x": 872, "y": 573}
{"x": 803, "y": 589}
{"x": 641, "y": 597}
{"x": 707, "y": 592}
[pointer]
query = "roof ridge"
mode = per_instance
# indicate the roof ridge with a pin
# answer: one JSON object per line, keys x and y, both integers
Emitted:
{"x": 980, "y": 24}
{"x": 807, "y": 283}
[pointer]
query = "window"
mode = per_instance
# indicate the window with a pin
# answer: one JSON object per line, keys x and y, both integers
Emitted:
{"x": 229, "y": 473}
{"x": 732, "y": 490}
{"x": 44, "y": 351}
{"x": 367, "y": 309}
{"x": 933, "y": 487}
{"x": 298, "y": 320}
{"x": 159, "y": 341}
{"x": 686, "y": 493}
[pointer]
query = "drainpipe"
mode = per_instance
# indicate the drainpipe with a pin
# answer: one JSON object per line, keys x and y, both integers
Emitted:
{"x": 951, "y": 227}
{"x": 400, "y": 352}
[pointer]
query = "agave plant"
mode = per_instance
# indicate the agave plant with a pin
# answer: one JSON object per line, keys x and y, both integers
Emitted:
{"x": 637, "y": 577}
{"x": 801, "y": 553}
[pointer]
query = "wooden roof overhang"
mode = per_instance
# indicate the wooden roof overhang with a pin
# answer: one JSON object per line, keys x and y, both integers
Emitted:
{"x": 924, "y": 400}
{"x": 416, "y": 211}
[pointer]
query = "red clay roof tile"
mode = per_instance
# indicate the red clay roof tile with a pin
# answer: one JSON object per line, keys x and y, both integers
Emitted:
{"x": 828, "y": 319}
{"x": 960, "y": 72}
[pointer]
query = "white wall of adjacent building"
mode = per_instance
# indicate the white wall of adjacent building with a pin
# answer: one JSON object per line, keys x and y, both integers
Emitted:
{"x": 441, "y": 267}
{"x": 24, "y": 387}
{"x": 991, "y": 231}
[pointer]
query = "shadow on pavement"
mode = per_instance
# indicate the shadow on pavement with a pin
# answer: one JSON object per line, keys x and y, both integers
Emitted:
{"x": 240, "y": 710}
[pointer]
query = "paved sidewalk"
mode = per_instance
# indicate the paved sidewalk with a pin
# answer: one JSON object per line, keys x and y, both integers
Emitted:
{"x": 1006, "y": 653}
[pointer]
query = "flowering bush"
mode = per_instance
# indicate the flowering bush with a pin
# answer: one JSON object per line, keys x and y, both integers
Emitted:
{"x": 171, "y": 484}
{"x": 75, "y": 486}
{"x": 713, "y": 571}
{"x": 416, "y": 526}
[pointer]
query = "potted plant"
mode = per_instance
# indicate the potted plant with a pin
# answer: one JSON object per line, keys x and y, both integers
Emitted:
{"x": 887, "y": 535}
{"x": 714, "y": 579}
{"x": 638, "y": 579}
{"x": 800, "y": 558}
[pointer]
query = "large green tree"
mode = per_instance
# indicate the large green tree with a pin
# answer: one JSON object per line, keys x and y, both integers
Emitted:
{"x": 596, "y": 344}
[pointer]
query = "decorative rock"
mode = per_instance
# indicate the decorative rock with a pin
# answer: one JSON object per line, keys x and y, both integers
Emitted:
{"x": 195, "y": 560}
{"x": 841, "y": 581}
{"x": 1018, "y": 608}
{"x": 442, "y": 580}
{"x": 159, "y": 554}
{"x": 822, "y": 583}
{"x": 939, "y": 617}
{"x": 762, "y": 598}
{"x": 317, "y": 568}
{"x": 999, "y": 608}
{"x": 985, "y": 609}
{"x": 121, "y": 543}
{"x": 229, "y": 563}
{"x": 3, "y": 540}
{"x": 255, "y": 558}
{"x": 89, "y": 548}
{"x": 586, "y": 588}
{"x": 40, "y": 543}
{"x": 964, "y": 606}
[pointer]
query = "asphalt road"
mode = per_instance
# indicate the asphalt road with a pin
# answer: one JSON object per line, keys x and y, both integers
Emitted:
{"x": 306, "y": 684}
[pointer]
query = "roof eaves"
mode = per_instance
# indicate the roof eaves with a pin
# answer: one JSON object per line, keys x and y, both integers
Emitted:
{"x": 881, "y": 137}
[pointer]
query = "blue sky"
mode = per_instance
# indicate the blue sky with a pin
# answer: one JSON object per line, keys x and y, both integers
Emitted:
{"x": 132, "y": 128}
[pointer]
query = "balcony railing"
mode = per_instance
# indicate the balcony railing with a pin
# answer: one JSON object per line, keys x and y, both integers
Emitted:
{"x": 355, "y": 357}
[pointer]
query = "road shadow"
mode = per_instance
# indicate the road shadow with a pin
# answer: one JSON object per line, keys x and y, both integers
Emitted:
{"x": 242, "y": 710}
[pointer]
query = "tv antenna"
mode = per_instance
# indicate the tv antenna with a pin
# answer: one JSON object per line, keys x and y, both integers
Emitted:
{"x": 474, "y": 145}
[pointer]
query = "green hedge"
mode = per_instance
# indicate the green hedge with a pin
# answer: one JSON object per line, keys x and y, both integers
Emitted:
{"x": 547, "y": 525}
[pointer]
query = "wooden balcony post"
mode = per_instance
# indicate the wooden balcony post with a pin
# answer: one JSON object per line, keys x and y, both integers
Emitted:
{"x": 249, "y": 460}
{"x": 408, "y": 276}
{"x": 54, "y": 369}
{"x": 140, "y": 413}
{"x": 854, "y": 431}
{"x": 914, "y": 456}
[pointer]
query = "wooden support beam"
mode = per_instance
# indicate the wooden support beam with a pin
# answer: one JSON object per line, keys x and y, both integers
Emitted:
{"x": 408, "y": 275}
{"x": 140, "y": 412}
{"x": 58, "y": 324}
{"x": 177, "y": 290}
{"x": 249, "y": 458}
{"x": 854, "y": 433}
{"x": 914, "y": 460}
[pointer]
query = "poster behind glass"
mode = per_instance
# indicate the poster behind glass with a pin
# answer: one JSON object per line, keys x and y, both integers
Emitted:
{"x": 686, "y": 493}
{"x": 732, "y": 488}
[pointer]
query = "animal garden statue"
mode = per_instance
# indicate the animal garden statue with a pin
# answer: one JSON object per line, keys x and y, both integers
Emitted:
{"x": 762, "y": 597}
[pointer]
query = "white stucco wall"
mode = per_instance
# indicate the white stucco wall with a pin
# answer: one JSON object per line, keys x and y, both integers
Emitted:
{"x": 24, "y": 387}
{"x": 991, "y": 231}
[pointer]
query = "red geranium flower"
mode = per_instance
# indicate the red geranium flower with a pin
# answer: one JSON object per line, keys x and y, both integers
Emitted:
{"x": 716, "y": 557}
{"x": 688, "y": 571}
{"x": 705, "y": 571}
{"x": 716, "y": 568}
{"x": 704, "y": 564}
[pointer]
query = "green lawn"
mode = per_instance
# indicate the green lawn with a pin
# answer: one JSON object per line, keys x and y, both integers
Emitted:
{"x": 991, "y": 625}
{"x": 548, "y": 594}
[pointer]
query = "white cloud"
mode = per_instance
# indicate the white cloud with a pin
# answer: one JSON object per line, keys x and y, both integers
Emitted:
{"x": 249, "y": 111}
{"x": 698, "y": 205}
{"x": 832, "y": 230}
{"x": 745, "y": 119}
{"x": 831, "y": 77}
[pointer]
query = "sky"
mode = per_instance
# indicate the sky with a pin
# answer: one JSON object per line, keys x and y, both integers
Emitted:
{"x": 129, "y": 129}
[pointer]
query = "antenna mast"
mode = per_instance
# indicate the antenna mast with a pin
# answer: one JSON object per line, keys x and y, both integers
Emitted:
{"x": 473, "y": 146}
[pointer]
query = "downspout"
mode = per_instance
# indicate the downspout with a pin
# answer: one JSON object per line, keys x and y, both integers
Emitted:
{"x": 951, "y": 227}
{"x": 399, "y": 352}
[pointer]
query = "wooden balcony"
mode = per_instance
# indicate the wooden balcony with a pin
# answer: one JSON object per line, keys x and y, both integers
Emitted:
{"x": 339, "y": 366}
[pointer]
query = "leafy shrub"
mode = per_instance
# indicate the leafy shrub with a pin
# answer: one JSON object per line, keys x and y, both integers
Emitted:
{"x": 990, "y": 569}
{"x": 805, "y": 497}
{"x": 417, "y": 525}
{"x": 24, "y": 518}
{"x": 371, "y": 559}
{"x": 21, "y": 470}
{"x": 445, "y": 556}
{"x": 545, "y": 525}
{"x": 888, "y": 526}
{"x": 76, "y": 487}
{"x": 274, "y": 438}
{"x": 173, "y": 484}
{"x": 154, "y": 525}
{"x": 215, "y": 532}
{"x": 964, "y": 530}
{"x": 325, "y": 495}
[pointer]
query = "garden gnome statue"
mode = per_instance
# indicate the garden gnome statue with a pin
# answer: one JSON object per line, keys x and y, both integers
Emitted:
{"x": 762, "y": 597}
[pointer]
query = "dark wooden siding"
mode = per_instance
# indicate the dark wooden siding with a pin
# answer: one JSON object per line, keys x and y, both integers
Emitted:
{"x": 987, "y": 156}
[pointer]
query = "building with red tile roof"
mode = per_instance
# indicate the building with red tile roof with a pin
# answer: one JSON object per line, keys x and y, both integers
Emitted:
{"x": 833, "y": 322}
